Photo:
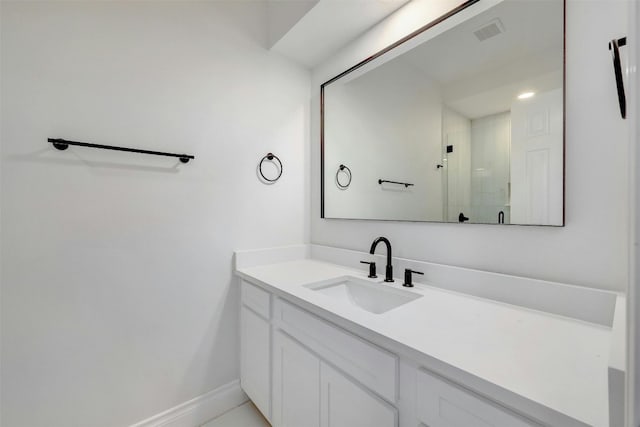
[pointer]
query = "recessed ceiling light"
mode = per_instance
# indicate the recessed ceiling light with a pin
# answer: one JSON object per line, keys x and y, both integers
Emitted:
{"x": 526, "y": 95}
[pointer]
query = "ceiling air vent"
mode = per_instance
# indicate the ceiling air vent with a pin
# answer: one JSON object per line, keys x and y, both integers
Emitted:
{"x": 490, "y": 29}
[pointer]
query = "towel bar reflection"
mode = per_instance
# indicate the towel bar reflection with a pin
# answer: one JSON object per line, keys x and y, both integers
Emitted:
{"x": 63, "y": 144}
{"x": 406, "y": 184}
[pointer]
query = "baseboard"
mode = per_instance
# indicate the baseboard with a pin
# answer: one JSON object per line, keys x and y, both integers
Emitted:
{"x": 199, "y": 410}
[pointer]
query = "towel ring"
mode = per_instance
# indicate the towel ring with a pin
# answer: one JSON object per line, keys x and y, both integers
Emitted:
{"x": 270, "y": 157}
{"x": 340, "y": 169}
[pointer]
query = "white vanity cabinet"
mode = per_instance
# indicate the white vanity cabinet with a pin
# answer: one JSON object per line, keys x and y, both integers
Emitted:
{"x": 309, "y": 392}
{"x": 303, "y": 371}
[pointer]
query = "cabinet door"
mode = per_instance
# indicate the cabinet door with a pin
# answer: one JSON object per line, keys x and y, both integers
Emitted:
{"x": 255, "y": 359}
{"x": 345, "y": 404}
{"x": 296, "y": 384}
{"x": 440, "y": 403}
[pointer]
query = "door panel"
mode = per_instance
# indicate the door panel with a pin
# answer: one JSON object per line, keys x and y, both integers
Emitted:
{"x": 296, "y": 384}
{"x": 255, "y": 359}
{"x": 537, "y": 159}
{"x": 346, "y": 404}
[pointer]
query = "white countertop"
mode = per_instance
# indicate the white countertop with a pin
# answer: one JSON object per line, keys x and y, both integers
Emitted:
{"x": 550, "y": 360}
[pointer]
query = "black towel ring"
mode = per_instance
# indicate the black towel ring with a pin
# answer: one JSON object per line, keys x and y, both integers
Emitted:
{"x": 270, "y": 157}
{"x": 343, "y": 168}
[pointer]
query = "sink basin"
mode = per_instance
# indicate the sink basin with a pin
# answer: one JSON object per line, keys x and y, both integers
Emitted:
{"x": 373, "y": 297}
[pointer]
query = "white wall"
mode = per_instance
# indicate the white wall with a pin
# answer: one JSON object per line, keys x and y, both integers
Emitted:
{"x": 117, "y": 295}
{"x": 591, "y": 249}
{"x": 384, "y": 129}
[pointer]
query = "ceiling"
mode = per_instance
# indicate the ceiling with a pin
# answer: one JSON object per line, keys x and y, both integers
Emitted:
{"x": 483, "y": 77}
{"x": 310, "y": 31}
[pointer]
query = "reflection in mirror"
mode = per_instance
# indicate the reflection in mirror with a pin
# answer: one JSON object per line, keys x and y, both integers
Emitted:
{"x": 465, "y": 126}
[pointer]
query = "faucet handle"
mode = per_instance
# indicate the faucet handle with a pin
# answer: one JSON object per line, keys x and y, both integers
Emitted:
{"x": 408, "y": 279}
{"x": 372, "y": 269}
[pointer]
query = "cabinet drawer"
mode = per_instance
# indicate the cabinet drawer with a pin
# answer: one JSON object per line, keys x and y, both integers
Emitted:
{"x": 256, "y": 299}
{"x": 440, "y": 403}
{"x": 372, "y": 366}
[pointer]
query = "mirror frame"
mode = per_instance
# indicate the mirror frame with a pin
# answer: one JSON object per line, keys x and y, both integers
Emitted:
{"x": 408, "y": 37}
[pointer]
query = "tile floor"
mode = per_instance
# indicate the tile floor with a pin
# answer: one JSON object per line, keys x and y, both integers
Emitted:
{"x": 245, "y": 415}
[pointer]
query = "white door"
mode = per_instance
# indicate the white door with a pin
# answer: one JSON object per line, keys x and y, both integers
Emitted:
{"x": 255, "y": 359}
{"x": 296, "y": 384}
{"x": 345, "y": 404}
{"x": 537, "y": 159}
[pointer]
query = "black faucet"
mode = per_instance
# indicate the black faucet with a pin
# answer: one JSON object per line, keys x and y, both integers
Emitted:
{"x": 388, "y": 276}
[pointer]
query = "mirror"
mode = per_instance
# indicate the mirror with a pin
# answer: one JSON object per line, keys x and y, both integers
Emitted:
{"x": 462, "y": 121}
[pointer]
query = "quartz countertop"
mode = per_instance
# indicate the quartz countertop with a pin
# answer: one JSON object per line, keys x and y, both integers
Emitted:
{"x": 555, "y": 362}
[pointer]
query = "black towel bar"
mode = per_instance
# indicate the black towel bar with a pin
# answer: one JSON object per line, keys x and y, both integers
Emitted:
{"x": 63, "y": 144}
{"x": 406, "y": 184}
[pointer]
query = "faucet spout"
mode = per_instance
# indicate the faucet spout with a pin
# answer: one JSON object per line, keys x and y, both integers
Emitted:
{"x": 388, "y": 277}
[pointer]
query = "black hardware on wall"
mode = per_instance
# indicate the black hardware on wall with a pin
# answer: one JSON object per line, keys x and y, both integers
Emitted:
{"x": 614, "y": 47}
{"x": 462, "y": 218}
{"x": 347, "y": 171}
{"x": 271, "y": 157}
{"x": 63, "y": 144}
{"x": 501, "y": 217}
{"x": 406, "y": 184}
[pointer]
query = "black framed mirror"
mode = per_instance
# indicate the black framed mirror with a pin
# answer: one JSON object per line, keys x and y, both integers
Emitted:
{"x": 461, "y": 121}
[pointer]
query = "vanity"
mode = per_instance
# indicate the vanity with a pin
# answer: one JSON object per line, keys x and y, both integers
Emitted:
{"x": 324, "y": 345}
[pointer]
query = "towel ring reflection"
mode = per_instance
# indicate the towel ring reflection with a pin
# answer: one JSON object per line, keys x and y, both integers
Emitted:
{"x": 343, "y": 168}
{"x": 270, "y": 157}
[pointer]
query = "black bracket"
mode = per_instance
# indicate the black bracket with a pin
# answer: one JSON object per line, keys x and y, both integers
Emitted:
{"x": 60, "y": 145}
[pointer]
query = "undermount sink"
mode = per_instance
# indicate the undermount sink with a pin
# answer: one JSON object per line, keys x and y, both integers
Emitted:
{"x": 373, "y": 297}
